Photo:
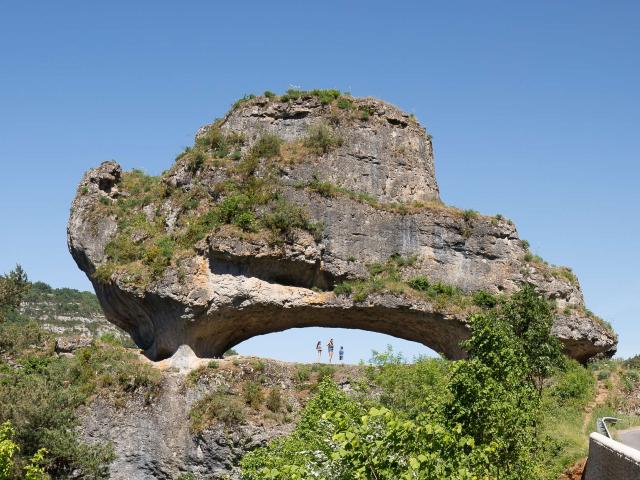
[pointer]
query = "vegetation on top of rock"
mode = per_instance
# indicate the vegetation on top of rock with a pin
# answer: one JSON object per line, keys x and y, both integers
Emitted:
{"x": 388, "y": 277}
{"x": 247, "y": 196}
{"x": 42, "y": 300}
{"x": 329, "y": 189}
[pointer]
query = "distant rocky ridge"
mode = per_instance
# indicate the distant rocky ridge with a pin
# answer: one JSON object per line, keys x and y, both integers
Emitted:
{"x": 310, "y": 209}
{"x": 68, "y": 312}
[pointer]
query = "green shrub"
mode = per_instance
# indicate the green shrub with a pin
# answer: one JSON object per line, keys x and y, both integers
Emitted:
{"x": 420, "y": 283}
{"x": 269, "y": 94}
{"x": 403, "y": 261}
{"x": 573, "y": 384}
{"x": 253, "y": 395}
{"x": 246, "y": 221}
{"x": 469, "y": 215}
{"x": 266, "y": 146}
{"x": 284, "y": 217}
{"x": 292, "y": 94}
{"x": 258, "y": 365}
{"x": 344, "y": 103}
{"x": 218, "y": 405}
{"x": 302, "y": 373}
{"x": 365, "y": 113}
{"x": 244, "y": 99}
{"x": 321, "y": 139}
{"x": 324, "y": 371}
{"x": 484, "y": 299}
{"x": 274, "y": 400}
{"x": 343, "y": 288}
{"x": 325, "y": 96}
{"x": 230, "y": 353}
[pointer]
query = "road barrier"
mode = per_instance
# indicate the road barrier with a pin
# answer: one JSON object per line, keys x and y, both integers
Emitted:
{"x": 611, "y": 460}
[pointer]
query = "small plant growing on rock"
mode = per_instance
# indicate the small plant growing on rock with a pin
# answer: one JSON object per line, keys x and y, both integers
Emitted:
{"x": 267, "y": 146}
{"x": 274, "y": 400}
{"x": 302, "y": 373}
{"x": 217, "y": 405}
{"x": 343, "y": 288}
{"x": 484, "y": 300}
{"x": 321, "y": 139}
{"x": 253, "y": 395}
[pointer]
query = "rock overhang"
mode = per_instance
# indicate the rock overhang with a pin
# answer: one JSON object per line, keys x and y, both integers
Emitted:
{"x": 368, "y": 197}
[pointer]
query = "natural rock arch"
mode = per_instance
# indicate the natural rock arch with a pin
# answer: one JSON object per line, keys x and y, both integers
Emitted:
{"x": 280, "y": 201}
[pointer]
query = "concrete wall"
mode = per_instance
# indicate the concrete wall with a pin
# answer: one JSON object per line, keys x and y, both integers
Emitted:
{"x": 611, "y": 460}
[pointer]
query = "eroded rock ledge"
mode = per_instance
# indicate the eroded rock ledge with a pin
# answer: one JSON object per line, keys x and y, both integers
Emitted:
{"x": 280, "y": 201}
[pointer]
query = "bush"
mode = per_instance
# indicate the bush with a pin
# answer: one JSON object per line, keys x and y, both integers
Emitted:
{"x": 274, "y": 400}
{"x": 267, "y": 146}
{"x": 325, "y": 96}
{"x": 344, "y": 103}
{"x": 302, "y": 373}
{"x": 484, "y": 299}
{"x": 218, "y": 405}
{"x": 573, "y": 384}
{"x": 420, "y": 283}
{"x": 326, "y": 189}
{"x": 284, "y": 217}
{"x": 469, "y": 215}
{"x": 253, "y": 395}
{"x": 321, "y": 139}
{"x": 41, "y": 399}
{"x": 323, "y": 371}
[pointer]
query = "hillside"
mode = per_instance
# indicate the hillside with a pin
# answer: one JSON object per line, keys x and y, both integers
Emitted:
{"x": 192, "y": 418}
{"x": 67, "y": 312}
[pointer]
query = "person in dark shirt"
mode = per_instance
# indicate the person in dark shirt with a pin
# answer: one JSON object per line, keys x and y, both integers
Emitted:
{"x": 341, "y": 353}
{"x": 330, "y": 349}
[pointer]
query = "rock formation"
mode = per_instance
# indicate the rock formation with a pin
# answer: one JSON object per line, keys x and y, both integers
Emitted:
{"x": 311, "y": 209}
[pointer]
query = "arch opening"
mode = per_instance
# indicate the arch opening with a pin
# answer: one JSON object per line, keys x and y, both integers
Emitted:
{"x": 298, "y": 345}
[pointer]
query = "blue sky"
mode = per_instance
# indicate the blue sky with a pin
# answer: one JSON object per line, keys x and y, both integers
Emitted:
{"x": 534, "y": 108}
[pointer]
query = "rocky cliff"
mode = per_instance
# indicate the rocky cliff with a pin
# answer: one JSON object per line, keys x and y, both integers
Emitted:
{"x": 309, "y": 209}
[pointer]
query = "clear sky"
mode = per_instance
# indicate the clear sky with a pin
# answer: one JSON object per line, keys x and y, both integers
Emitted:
{"x": 534, "y": 108}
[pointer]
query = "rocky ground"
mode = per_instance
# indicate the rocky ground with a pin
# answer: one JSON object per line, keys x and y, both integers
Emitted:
{"x": 159, "y": 438}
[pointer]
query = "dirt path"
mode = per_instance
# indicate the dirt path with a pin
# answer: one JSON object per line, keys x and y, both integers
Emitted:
{"x": 602, "y": 393}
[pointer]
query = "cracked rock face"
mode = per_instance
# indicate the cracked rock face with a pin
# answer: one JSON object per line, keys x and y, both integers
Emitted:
{"x": 232, "y": 286}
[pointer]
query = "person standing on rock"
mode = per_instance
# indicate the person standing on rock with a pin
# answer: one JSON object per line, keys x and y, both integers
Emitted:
{"x": 330, "y": 349}
{"x": 319, "y": 349}
{"x": 341, "y": 354}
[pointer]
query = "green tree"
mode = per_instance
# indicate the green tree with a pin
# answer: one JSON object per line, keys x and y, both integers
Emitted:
{"x": 531, "y": 318}
{"x": 13, "y": 287}
{"x": 492, "y": 401}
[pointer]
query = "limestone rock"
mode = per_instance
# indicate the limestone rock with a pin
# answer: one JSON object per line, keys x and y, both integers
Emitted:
{"x": 380, "y": 199}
